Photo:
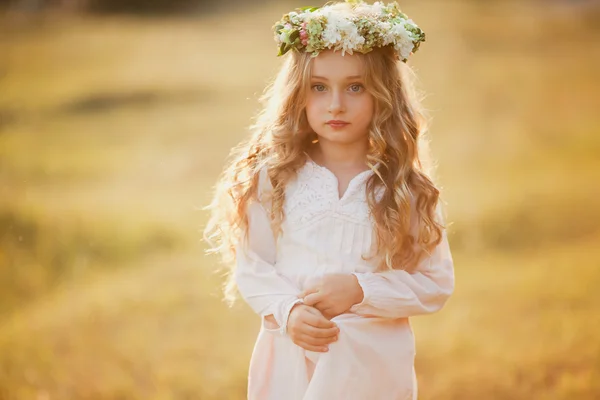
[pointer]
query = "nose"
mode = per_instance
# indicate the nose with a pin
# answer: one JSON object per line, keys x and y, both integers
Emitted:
{"x": 336, "y": 105}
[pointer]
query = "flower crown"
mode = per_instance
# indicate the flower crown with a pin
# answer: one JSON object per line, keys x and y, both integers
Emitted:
{"x": 349, "y": 27}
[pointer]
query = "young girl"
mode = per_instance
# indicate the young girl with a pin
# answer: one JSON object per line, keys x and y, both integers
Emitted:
{"x": 333, "y": 227}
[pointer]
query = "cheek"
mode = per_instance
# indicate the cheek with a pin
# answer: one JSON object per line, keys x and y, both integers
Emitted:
{"x": 313, "y": 107}
{"x": 365, "y": 108}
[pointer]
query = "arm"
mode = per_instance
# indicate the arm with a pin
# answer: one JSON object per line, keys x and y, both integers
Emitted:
{"x": 262, "y": 287}
{"x": 399, "y": 294}
{"x": 391, "y": 294}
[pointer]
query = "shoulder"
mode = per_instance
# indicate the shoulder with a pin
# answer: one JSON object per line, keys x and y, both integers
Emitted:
{"x": 302, "y": 174}
{"x": 263, "y": 186}
{"x": 264, "y": 183}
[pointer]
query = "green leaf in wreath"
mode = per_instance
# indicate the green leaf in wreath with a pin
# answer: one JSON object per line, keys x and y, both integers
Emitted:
{"x": 294, "y": 35}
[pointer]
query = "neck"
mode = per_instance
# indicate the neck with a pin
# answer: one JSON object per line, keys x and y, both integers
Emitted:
{"x": 341, "y": 154}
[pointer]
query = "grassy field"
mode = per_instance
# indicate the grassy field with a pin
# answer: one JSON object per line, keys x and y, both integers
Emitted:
{"x": 112, "y": 131}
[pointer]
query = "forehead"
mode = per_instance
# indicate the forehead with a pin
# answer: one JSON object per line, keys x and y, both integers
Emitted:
{"x": 333, "y": 65}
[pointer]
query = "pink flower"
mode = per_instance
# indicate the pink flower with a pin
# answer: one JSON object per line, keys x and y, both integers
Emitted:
{"x": 303, "y": 35}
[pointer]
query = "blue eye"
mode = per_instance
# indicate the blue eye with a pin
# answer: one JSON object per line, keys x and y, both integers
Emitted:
{"x": 319, "y": 88}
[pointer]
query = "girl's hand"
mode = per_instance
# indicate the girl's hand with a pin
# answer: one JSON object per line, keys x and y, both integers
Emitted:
{"x": 333, "y": 294}
{"x": 309, "y": 329}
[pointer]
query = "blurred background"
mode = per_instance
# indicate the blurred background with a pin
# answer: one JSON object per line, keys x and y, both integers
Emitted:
{"x": 116, "y": 117}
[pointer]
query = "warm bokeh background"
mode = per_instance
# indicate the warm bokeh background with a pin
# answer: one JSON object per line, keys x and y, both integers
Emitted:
{"x": 115, "y": 120}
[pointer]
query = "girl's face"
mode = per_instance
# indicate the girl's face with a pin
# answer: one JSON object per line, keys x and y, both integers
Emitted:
{"x": 339, "y": 109}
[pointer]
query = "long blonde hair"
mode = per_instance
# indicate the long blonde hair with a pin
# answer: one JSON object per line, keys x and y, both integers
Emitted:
{"x": 399, "y": 191}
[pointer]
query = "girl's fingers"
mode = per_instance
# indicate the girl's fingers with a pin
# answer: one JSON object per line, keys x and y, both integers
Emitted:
{"x": 330, "y": 313}
{"x": 316, "y": 319}
{"x": 306, "y": 346}
{"x": 312, "y": 298}
{"x": 308, "y": 291}
{"x": 315, "y": 341}
{"x": 319, "y": 332}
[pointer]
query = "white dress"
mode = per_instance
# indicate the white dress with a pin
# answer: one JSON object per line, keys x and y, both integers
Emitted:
{"x": 373, "y": 358}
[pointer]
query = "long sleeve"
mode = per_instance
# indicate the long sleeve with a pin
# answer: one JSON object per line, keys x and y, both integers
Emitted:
{"x": 400, "y": 294}
{"x": 259, "y": 283}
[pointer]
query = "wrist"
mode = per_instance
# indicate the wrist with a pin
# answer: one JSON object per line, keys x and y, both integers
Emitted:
{"x": 359, "y": 295}
{"x": 294, "y": 306}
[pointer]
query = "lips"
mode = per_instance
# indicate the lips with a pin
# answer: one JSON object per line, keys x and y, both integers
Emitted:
{"x": 337, "y": 123}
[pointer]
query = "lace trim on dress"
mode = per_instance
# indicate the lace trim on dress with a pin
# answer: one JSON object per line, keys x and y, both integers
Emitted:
{"x": 314, "y": 194}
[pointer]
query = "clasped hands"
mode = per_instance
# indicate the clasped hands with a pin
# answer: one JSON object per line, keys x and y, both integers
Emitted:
{"x": 309, "y": 324}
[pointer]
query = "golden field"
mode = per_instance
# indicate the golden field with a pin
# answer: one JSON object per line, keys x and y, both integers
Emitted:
{"x": 114, "y": 129}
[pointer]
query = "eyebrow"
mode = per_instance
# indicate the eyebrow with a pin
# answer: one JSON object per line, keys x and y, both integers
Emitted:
{"x": 325, "y": 79}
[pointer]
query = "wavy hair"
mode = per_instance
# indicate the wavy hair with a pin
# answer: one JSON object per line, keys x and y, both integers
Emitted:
{"x": 401, "y": 195}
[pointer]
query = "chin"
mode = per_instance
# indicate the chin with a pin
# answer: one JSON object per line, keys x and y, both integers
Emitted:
{"x": 340, "y": 137}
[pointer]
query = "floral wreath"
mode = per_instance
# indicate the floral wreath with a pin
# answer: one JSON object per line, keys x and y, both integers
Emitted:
{"x": 314, "y": 29}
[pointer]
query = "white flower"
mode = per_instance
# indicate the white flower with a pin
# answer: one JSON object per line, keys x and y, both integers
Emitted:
{"x": 378, "y": 8}
{"x": 294, "y": 17}
{"x": 332, "y": 33}
{"x": 385, "y": 28}
{"x": 404, "y": 49}
{"x": 361, "y": 8}
{"x": 341, "y": 34}
{"x": 389, "y": 35}
{"x": 404, "y": 46}
{"x": 305, "y": 16}
{"x": 352, "y": 43}
{"x": 401, "y": 38}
